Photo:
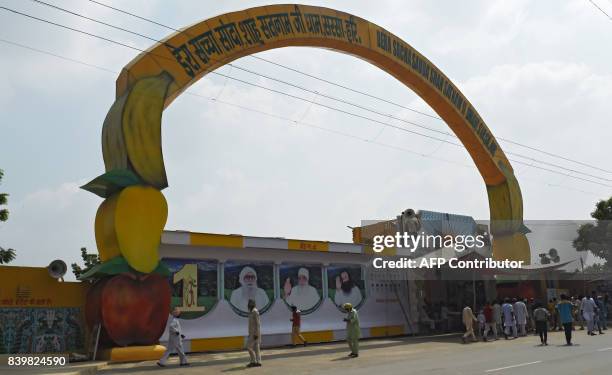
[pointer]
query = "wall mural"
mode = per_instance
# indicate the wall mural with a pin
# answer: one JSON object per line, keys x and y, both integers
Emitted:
{"x": 244, "y": 281}
{"x": 41, "y": 330}
{"x": 194, "y": 285}
{"x": 346, "y": 285}
{"x": 301, "y": 286}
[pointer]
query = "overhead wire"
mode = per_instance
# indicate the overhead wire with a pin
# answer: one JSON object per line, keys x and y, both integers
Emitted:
{"x": 316, "y": 92}
{"x": 246, "y": 108}
{"x": 519, "y": 144}
{"x": 304, "y": 99}
{"x": 600, "y": 9}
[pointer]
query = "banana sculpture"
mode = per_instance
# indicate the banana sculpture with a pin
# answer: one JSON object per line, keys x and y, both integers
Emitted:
{"x": 130, "y": 220}
{"x": 505, "y": 205}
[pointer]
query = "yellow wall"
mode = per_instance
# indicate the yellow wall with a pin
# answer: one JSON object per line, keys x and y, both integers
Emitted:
{"x": 33, "y": 287}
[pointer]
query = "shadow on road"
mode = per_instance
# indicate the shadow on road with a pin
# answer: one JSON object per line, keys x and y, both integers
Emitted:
{"x": 289, "y": 353}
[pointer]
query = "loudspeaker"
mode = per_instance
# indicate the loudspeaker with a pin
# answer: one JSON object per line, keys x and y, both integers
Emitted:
{"x": 57, "y": 269}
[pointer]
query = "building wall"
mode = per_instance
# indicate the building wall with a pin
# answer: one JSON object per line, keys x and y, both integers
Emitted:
{"x": 222, "y": 327}
{"x": 40, "y": 314}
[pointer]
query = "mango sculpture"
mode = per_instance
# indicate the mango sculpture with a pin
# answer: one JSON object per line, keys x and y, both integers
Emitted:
{"x": 130, "y": 223}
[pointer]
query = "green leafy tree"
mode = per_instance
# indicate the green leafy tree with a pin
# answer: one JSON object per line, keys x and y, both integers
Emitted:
{"x": 597, "y": 237}
{"x": 90, "y": 261}
{"x": 6, "y": 255}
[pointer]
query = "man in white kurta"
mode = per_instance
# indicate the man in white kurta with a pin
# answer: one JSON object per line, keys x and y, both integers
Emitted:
{"x": 588, "y": 313}
{"x": 175, "y": 340}
{"x": 509, "y": 321}
{"x": 248, "y": 290}
{"x": 520, "y": 312}
{"x": 303, "y": 296}
{"x": 468, "y": 318}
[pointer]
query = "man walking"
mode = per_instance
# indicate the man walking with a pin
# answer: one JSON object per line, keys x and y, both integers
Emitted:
{"x": 564, "y": 307}
{"x": 599, "y": 316}
{"x": 353, "y": 330}
{"x": 254, "y": 338}
{"x": 530, "y": 320}
{"x": 588, "y": 313}
{"x": 468, "y": 319}
{"x": 489, "y": 322}
{"x": 175, "y": 340}
{"x": 509, "y": 320}
{"x": 296, "y": 323}
{"x": 520, "y": 311}
{"x": 578, "y": 307}
{"x": 541, "y": 316}
{"x": 497, "y": 316}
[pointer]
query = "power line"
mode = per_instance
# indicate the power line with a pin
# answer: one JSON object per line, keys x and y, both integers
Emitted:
{"x": 95, "y": 20}
{"x": 252, "y": 72}
{"x": 601, "y": 10}
{"x": 362, "y": 92}
{"x": 135, "y": 15}
{"x": 58, "y": 56}
{"x": 314, "y": 92}
{"x": 297, "y": 97}
{"x": 216, "y": 100}
{"x": 300, "y": 122}
{"x": 401, "y": 128}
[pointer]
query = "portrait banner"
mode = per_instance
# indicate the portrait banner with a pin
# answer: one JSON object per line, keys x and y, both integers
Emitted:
{"x": 346, "y": 285}
{"x": 301, "y": 286}
{"x": 249, "y": 281}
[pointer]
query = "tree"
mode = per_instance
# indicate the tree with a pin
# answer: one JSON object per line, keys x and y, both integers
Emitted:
{"x": 597, "y": 237}
{"x": 90, "y": 261}
{"x": 6, "y": 255}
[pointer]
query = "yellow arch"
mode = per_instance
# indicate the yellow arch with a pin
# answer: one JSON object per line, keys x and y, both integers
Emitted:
{"x": 131, "y": 137}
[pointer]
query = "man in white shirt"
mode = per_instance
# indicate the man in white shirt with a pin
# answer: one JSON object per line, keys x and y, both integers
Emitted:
{"x": 589, "y": 308}
{"x": 520, "y": 311}
{"x": 509, "y": 320}
{"x": 175, "y": 340}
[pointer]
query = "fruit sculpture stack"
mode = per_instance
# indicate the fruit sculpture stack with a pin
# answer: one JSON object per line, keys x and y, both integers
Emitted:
{"x": 131, "y": 294}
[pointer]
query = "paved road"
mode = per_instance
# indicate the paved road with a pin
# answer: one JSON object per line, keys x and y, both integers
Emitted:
{"x": 433, "y": 355}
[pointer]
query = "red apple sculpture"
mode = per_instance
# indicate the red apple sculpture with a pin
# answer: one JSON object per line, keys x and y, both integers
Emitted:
{"x": 135, "y": 309}
{"x": 93, "y": 312}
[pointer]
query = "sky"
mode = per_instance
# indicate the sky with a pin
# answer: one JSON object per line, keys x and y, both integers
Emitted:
{"x": 537, "y": 72}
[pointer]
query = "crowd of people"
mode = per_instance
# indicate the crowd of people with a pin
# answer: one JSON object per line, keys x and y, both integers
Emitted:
{"x": 510, "y": 318}
{"x": 514, "y": 317}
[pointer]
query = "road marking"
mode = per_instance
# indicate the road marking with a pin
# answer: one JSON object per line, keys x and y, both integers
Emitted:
{"x": 604, "y": 349}
{"x": 513, "y": 366}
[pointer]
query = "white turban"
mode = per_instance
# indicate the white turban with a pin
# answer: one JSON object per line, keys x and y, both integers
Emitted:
{"x": 244, "y": 272}
{"x": 304, "y": 272}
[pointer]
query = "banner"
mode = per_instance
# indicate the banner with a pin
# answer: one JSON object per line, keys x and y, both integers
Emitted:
{"x": 194, "y": 285}
{"x": 301, "y": 286}
{"x": 245, "y": 281}
{"x": 346, "y": 285}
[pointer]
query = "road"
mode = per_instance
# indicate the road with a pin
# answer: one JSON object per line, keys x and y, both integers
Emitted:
{"x": 432, "y": 355}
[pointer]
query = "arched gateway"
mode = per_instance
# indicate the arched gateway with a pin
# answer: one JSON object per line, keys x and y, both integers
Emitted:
{"x": 130, "y": 220}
